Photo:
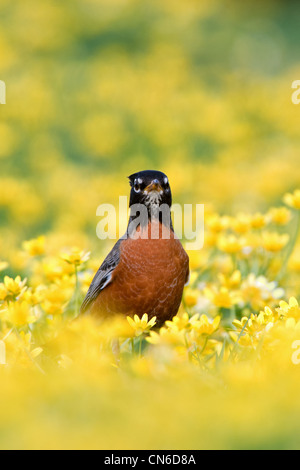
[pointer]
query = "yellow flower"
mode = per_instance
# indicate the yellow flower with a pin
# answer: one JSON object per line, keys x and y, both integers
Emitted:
{"x": 76, "y": 257}
{"x": 55, "y": 269}
{"x": 293, "y": 200}
{"x": 191, "y": 297}
{"x": 258, "y": 221}
{"x": 251, "y": 329}
{"x": 294, "y": 262}
{"x": 241, "y": 224}
{"x": 207, "y": 327}
{"x": 222, "y": 298}
{"x": 12, "y": 288}
{"x": 183, "y": 322}
{"x": 280, "y": 215}
{"x": 35, "y": 246}
{"x": 53, "y": 308}
{"x": 210, "y": 239}
{"x": 217, "y": 223}
{"x": 19, "y": 348}
{"x": 141, "y": 325}
{"x": 166, "y": 336}
{"x": 197, "y": 259}
{"x": 3, "y": 292}
{"x": 20, "y": 314}
{"x": 34, "y": 297}
{"x": 232, "y": 282}
{"x": 258, "y": 291}
{"x": 289, "y": 310}
{"x": 55, "y": 300}
{"x": 274, "y": 242}
{"x": 230, "y": 244}
{"x": 292, "y": 324}
{"x": 116, "y": 327}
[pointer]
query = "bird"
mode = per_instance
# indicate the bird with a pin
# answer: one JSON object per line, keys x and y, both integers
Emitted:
{"x": 147, "y": 269}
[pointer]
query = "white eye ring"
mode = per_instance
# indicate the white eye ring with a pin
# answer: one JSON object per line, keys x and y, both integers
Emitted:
{"x": 136, "y": 185}
{"x": 166, "y": 181}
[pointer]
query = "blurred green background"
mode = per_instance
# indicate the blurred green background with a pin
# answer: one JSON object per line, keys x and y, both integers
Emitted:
{"x": 98, "y": 89}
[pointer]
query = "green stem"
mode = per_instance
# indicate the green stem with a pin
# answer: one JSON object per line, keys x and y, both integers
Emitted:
{"x": 132, "y": 346}
{"x": 205, "y": 268}
{"x": 140, "y": 346}
{"x": 232, "y": 353}
{"x": 76, "y": 292}
{"x": 290, "y": 248}
{"x": 28, "y": 354}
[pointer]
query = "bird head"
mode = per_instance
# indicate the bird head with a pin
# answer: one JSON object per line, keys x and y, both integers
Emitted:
{"x": 150, "y": 188}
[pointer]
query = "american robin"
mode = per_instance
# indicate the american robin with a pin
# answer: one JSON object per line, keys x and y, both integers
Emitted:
{"x": 147, "y": 269}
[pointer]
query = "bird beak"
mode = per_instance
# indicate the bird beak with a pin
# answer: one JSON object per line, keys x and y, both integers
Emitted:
{"x": 153, "y": 186}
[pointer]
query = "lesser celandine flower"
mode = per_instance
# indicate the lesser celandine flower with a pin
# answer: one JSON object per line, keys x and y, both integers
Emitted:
{"x": 251, "y": 329}
{"x": 210, "y": 239}
{"x": 35, "y": 247}
{"x": 280, "y": 215}
{"x": 167, "y": 336}
{"x": 20, "y": 314}
{"x": 207, "y": 327}
{"x": 191, "y": 297}
{"x": 252, "y": 242}
{"x": 258, "y": 221}
{"x": 34, "y": 297}
{"x": 3, "y": 292}
{"x": 141, "y": 325}
{"x": 293, "y": 200}
{"x": 289, "y": 310}
{"x": 76, "y": 256}
{"x": 12, "y": 288}
{"x": 274, "y": 242}
{"x": 116, "y": 327}
{"x": 222, "y": 298}
{"x": 217, "y": 223}
{"x": 55, "y": 300}
{"x": 183, "y": 322}
{"x": 197, "y": 259}
{"x": 230, "y": 244}
{"x": 258, "y": 291}
{"x": 292, "y": 324}
{"x": 231, "y": 282}
{"x": 55, "y": 268}
{"x": 20, "y": 348}
{"x": 241, "y": 224}
{"x": 294, "y": 262}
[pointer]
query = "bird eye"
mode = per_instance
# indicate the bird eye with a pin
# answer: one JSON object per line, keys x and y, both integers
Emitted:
{"x": 166, "y": 184}
{"x": 137, "y": 185}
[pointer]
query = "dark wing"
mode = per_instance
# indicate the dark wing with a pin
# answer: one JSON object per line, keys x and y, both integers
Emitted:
{"x": 102, "y": 277}
{"x": 188, "y": 272}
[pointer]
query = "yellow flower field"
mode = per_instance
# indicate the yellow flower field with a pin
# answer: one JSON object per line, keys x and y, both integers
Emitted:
{"x": 95, "y": 91}
{"x": 217, "y": 375}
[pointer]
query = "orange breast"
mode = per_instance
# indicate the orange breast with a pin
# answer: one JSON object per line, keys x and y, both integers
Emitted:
{"x": 149, "y": 278}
